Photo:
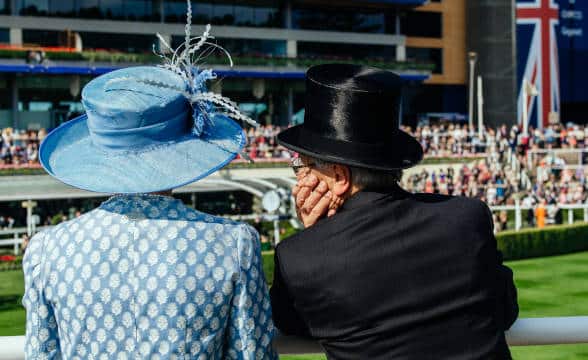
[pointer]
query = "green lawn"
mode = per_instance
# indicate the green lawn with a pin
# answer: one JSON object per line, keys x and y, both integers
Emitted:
{"x": 12, "y": 315}
{"x": 555, "y": 286}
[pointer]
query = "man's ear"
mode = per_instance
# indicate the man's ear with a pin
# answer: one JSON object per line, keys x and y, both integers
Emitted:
{"x": 342, "y": 179}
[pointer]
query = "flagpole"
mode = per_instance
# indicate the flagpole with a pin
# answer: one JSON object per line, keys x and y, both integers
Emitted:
{"x": 472, "y": 57}
{"x": 480, "y": 109}
{"x": 525, "y": 110}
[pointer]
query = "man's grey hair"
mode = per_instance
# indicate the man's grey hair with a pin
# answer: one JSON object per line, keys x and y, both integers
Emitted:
{"x": 365, "y": 178}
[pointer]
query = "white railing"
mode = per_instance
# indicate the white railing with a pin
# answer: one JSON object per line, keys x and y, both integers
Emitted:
{"x": 534, "y": 154}
{"x": 13, "y": 237}
{"x": 518, "y": 209}
{"x": 524, "y": 332}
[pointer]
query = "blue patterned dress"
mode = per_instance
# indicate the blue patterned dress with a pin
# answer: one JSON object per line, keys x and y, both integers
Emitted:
{"x": 145, "y": 277}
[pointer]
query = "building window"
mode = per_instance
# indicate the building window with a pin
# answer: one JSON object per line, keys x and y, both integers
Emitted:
{"x": 123, "y": 42}
{"x": 41, "y": 37}
{"x": 427, "y": 55}
{"x": 131, "y": 10}
{"x": 346, "y": 51}
{"x": 244, "y": 51}
{"x": 139, "y": 10}
{"x": 4, "y": 36}
{"x": 233, "y": 13}
{"x": 350, "y": 19}
{"x": 422, "y": 24}
{"x": 4, "y": 6}
{"x": 63, "y": 8}
{"x": 33, "y": 7}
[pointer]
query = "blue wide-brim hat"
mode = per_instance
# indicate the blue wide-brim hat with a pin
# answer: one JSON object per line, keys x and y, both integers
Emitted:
{"x": 141, "y": 133}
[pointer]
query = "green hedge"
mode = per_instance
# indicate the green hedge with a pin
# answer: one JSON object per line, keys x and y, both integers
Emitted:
{"x": 553, "y": 240}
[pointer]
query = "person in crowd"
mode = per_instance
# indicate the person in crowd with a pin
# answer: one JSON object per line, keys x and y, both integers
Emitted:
{"x": 529, "y": 203}
{"x": 380, "y": 273}
{"x": 10, "y": 222}
{"x": 503, "y": 218}
{"x": 143, "y": 275}
{"x": 25, "y": 243}
{"x": 541, "y": 214}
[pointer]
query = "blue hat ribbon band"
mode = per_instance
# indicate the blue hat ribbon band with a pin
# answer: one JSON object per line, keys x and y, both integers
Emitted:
{"x": 140, "y": 137}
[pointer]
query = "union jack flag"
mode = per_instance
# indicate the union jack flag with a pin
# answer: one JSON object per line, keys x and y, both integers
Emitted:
{"x": 538, "y": 59}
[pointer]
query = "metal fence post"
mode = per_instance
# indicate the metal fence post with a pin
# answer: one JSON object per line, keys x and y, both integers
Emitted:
{"x": 15, "y": 243}
{"x": 518, "y": 219}
{"x": 585, "y": 213}
{"x": 570, "y": 216}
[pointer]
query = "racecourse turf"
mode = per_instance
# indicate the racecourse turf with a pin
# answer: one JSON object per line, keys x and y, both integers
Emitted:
{"x": 552, "y": 286}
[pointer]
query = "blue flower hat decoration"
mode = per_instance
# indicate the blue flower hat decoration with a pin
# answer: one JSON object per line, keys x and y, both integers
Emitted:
{"x": 148, "y": 128}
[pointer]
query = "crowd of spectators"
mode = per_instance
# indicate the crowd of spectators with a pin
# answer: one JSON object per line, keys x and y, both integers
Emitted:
{"x": 262, "y": 144}
{"x": 490, "y": 176}
{"x": 486, "y": 180}
{"x": 450, "y": 140}
{"x": 6, "y": 222}
{"x": 438, "y": 140}
{"x": 20, "y": 147}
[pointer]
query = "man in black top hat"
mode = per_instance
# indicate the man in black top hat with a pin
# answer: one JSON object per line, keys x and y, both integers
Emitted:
{"x": 380, "y": 273}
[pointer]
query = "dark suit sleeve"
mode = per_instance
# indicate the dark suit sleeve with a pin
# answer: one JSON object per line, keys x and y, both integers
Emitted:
{"x": 507, "y": 308}
{"x": 286, "y": 317}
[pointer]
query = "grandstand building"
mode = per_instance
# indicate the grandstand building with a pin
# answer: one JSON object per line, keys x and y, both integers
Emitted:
{"x": 273, "y": 42}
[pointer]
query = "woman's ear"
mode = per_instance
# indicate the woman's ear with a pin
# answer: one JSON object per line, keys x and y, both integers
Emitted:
{"x": 342, "y": 179}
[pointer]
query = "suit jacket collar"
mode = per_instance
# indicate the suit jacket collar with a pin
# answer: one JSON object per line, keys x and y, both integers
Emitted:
{"x": 368, "y": 196}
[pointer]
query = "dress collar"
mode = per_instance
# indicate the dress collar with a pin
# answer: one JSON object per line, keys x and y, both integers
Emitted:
{"x": 144, "y": 203}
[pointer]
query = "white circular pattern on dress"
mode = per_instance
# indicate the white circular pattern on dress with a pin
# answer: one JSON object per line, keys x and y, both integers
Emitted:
{"x": 152, "y": 283}
{"x": 181, "y": 245}
{"x": 116, "y": 307}
{"x": 105, "y": 296}
{"x": 201, "y": 246}
{"x": 156, "y": 277}
{"x": 191, "y": 258}
{"x": 104, "y": 243}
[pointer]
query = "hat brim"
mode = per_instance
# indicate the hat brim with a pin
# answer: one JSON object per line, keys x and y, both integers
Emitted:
{"x": 69, "y": 155}
{"x": 402, "y": 151}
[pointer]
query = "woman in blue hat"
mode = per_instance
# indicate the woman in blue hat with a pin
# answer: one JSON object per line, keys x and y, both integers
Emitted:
{"x": 143, "y": 275}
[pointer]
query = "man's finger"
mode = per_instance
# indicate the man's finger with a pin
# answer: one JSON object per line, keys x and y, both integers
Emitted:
{"x": 295, "y": 190}
{"x": 319, "y": 210}
{"x": 303, "y": 194}
{"x": 331, "y": 212}
{"x": 310, "y": 181}
{"x": 315, "y": 196}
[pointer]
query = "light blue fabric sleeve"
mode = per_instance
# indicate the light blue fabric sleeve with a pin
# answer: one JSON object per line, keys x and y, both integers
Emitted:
{"x": 41, "y": 328}
{"x": 251, "y": 328}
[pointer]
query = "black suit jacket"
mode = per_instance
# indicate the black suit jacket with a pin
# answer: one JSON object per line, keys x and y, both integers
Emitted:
{"x": 396, "y": 275}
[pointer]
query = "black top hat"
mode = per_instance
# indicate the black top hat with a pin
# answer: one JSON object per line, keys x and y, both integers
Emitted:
{"x": 352, "y": 118}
